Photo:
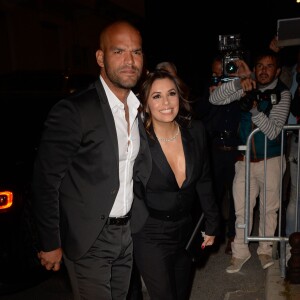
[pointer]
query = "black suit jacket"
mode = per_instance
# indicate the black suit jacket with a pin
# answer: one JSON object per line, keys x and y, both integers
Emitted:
{"x": 76, "y": 172}
{"x": 198, "y": 178}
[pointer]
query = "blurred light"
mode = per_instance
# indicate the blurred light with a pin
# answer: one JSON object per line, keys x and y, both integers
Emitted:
{"x": 6, "y": 199}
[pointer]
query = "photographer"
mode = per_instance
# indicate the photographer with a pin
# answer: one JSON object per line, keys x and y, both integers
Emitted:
{"x": 221, "y": 123}
{"x": 265, "y": 103}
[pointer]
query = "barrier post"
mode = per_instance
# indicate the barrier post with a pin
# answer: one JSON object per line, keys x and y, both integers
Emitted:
{"x": 293, "y": 269}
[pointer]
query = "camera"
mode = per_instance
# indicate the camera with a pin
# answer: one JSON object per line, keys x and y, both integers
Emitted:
{"x": 231, "y": 51}
{"x": 265, "y": 100}
{"x": 214, "y": 81}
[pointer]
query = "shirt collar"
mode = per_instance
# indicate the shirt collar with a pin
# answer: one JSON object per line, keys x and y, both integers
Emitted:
{"x": 114, "y": 101}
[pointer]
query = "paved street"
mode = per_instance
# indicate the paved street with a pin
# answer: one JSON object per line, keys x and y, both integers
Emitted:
{"x": 56, "y": 288}
{"x": 211, "y": 282}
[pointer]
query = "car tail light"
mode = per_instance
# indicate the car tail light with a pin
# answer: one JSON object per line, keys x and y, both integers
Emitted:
{"x": 6, "y": 200}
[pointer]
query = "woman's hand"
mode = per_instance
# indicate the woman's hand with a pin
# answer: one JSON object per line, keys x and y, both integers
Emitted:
{"x": 208, "y": 240}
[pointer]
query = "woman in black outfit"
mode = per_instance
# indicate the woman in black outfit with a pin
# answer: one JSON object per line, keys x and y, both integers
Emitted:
{"x": 178, "y": 175}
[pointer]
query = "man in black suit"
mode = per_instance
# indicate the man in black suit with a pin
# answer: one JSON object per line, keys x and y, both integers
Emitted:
{"x": 82, "y": 179}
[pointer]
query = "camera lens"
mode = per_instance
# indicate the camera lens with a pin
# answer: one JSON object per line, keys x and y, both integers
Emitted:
{"x": 231, "y": 67}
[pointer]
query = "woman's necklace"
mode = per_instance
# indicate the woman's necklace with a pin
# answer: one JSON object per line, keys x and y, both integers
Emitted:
{"x": 171, "y": 139}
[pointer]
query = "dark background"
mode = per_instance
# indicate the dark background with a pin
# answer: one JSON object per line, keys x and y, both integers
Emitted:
{"x": 187, "y": 32}
{"x": 62, "y": 35}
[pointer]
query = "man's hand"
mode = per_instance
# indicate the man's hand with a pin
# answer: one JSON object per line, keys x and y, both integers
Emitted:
{"x": 248, "y": 84}
{"x": 243, "y": 71}
{"x": 274, "y": 45}
{"x": 51, "y": 260}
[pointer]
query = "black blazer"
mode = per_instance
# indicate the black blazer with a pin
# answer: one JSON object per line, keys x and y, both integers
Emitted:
{"x": 198, "y": 176}
{"x": 76, "y": 172}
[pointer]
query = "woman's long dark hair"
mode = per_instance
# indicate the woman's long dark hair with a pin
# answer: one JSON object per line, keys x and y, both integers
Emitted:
{"x": 183, "y": 117}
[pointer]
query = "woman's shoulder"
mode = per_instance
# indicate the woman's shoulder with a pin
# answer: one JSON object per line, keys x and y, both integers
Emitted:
{"x": 196, "y": 129}
{"x": 196, "y": 125}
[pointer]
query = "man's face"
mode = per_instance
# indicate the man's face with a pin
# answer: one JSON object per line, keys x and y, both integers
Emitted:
{"x": 121, "y": 57}
{"x": 217, "y": 68}
{"x": 266, "y": 70}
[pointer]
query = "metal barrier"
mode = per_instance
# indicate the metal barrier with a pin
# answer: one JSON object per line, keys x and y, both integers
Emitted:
{"x": 279, "y": 238}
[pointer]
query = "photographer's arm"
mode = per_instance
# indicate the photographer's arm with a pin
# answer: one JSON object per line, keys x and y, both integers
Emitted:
{"x": 271, "y": 126}
{"x": 226, "y": 93}
{"x": 234, "y": 89}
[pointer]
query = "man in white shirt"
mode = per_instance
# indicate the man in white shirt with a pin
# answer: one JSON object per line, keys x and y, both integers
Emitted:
{"x": 82, "y": 180}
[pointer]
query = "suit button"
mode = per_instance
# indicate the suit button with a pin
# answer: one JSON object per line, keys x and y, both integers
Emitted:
{"x": 113, "y": 192}
{"x": 102, "y": 217}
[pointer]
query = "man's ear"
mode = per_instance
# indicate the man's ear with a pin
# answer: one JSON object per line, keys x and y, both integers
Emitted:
{"x": 99, "y": 58}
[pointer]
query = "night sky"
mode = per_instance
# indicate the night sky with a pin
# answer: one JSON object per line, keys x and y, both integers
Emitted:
{"x": 187, "y": 34}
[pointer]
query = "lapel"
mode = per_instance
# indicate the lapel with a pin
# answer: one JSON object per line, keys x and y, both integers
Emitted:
{"x": 109, "y": 119}
{"x": 143, "y": 162}
{"x": 160, "y": 160}
{"x": 190, "y": 155}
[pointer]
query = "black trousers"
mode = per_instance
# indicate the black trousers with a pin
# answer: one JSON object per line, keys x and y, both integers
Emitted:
{"x": 104, "y": 271}
{"x": 164, "y": 265}
{"x": 223, "y": 171}
{"x": 136, "y": 287}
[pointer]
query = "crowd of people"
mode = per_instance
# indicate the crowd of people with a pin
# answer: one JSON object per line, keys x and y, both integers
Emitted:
{"x": 270, "y": 119}
{"x": 290, "y": 75}
{"x": 119, "y": 172}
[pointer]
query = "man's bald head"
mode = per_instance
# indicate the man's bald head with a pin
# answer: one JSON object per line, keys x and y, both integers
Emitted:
{"x": 115, "y": 28}
{"x": 120, "y": 57}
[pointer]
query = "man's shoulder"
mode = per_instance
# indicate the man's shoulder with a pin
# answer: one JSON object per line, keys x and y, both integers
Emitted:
{"x": 80, "y": 101}
{"x": 84, "y": 95}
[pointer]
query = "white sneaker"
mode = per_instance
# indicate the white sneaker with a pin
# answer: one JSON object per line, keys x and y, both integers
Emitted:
{"x": 266, "y": 261}
{"x": 236, "y": 264}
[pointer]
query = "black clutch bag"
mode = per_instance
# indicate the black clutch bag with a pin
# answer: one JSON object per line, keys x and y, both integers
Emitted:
{"x": 193, "y": 246}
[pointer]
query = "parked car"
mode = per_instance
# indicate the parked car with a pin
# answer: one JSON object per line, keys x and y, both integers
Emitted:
{"x": 26, "y": 99}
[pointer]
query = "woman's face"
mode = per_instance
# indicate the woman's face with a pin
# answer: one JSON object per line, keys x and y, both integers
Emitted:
{"x": 163, "y": 101}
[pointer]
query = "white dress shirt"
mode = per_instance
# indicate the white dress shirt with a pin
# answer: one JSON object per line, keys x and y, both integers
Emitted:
{"x": 128, "y": 146}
